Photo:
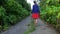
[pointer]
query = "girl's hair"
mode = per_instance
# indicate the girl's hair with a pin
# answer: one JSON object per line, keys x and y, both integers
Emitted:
{"x": 34, "y": 1}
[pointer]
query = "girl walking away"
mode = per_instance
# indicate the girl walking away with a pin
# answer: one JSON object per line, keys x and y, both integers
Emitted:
{"x": 35, "y": 13}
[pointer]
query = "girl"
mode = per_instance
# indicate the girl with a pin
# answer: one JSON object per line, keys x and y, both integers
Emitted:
{"x": 35, "y": 12}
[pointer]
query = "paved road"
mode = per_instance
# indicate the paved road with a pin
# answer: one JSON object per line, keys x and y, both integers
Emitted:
{"x": 21, "y": 27}
{"x": 43, "y": 29}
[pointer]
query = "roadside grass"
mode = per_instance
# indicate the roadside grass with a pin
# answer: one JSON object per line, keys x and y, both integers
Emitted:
{"x": 31, "y": 28}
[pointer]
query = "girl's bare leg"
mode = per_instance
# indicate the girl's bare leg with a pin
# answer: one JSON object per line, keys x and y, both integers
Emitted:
{"x": 35, "y": 22}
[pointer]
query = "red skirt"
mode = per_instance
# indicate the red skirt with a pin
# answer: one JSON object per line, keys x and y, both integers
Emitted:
{"x": 35, "y": 15}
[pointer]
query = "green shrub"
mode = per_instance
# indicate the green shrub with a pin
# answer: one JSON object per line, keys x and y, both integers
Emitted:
{"x": 10, "y": 13}
{"x": 2, "y": 11}
{"x": 12, "y": 19}
{"x": 50, "y": 12}
{"x": 0, "y": 27}
{"x": 2, "y": 15}
{"x": 15, "y": 8}
{"x": 24, "y": 4}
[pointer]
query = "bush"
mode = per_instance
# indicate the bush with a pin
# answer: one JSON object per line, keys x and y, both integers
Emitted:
{"x": 12, "y": 19}
{"x": 2, "y": 15}
{"x": 24, "y": 4}
{"x": 51, "y": 12}
{"x": 2, "y": 11}
{"x": 10, "y": 13}
{"x": 0, "y": 27}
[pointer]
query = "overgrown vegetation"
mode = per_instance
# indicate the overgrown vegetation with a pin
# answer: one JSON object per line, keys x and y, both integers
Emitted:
{"x": 24, "y": 4}
{"x": 11, "y": 12}
{"x": 50, "y": 12}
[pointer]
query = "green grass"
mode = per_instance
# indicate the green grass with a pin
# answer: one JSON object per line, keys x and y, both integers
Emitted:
{"x": 31, "y": 28}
